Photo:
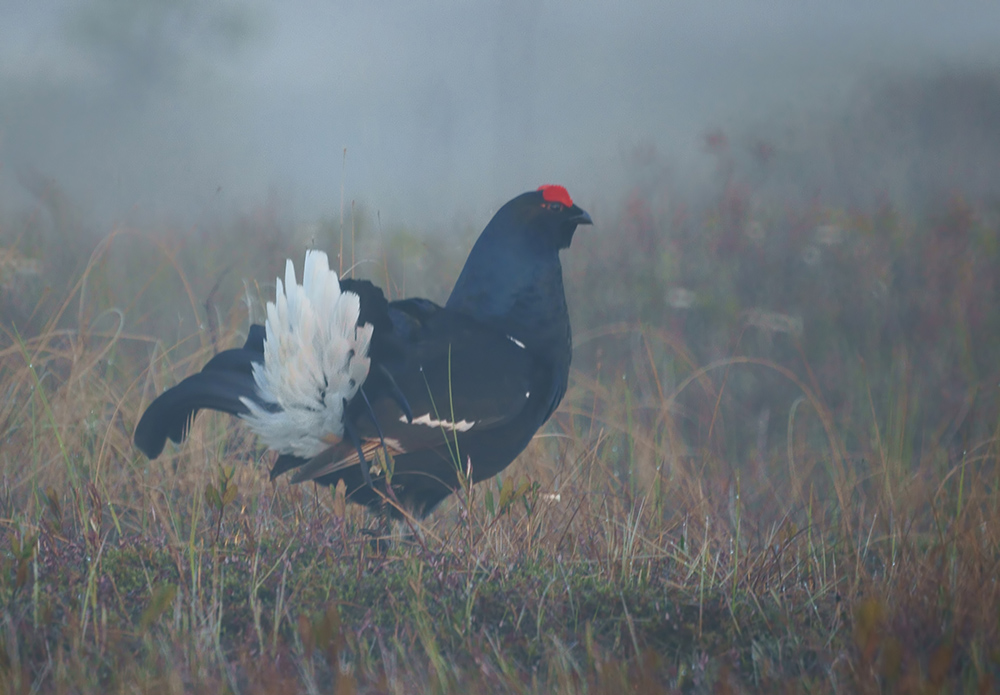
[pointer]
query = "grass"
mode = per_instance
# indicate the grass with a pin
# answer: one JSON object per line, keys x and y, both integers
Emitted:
{"x": 754, "y": 484}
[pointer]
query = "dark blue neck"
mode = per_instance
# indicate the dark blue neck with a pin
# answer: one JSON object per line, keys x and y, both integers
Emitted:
{"x": 517, "y": 289}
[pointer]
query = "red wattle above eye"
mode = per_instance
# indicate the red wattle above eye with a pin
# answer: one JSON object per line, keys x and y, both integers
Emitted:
{"x": 556, "y": 194}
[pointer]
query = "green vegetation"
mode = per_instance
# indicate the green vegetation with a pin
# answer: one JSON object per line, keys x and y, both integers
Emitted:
{"x": 776, "y": 470}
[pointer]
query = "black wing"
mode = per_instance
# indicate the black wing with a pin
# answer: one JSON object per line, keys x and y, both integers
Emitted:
{"x": 458, "y": 376}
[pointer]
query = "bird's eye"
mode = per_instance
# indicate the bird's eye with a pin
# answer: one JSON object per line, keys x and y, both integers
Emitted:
{"x": 553, "y": 206}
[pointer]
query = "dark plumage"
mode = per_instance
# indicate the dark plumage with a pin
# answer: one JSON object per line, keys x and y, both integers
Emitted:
{"x": 467, "y": 384}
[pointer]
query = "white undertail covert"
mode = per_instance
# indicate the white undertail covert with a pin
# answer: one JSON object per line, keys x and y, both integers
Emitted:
{"x": 315, "y": 358}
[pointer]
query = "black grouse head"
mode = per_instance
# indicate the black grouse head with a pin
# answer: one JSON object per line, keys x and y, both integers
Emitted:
{"x": 517, "y": 255}
{"x": 547, "y": 217}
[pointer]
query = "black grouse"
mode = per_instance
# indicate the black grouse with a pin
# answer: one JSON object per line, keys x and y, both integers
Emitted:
{"x": 344, "y": 384}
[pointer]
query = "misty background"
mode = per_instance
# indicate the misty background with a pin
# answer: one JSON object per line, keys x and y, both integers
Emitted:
{"x": 810, "y": 184}
{"x": 181, "y": 111}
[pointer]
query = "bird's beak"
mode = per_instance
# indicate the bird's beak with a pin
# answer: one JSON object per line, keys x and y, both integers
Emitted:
{"x": 580, "y": 216}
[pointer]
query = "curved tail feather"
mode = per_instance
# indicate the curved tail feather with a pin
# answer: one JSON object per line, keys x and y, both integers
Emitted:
{"x": 220, "y": 385}
{"x": 294, "y": 380}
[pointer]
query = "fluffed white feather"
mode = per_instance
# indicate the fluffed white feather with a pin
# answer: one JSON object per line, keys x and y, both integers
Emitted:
{"x": 315, "y": 358}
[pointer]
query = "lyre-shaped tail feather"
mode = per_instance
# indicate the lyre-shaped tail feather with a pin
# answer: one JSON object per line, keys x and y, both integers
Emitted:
{"x": 222, "y": 385}
{"x": 292, "y": 377}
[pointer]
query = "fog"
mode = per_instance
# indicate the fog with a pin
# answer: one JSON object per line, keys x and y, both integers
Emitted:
{"x": 427, "y": 112}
